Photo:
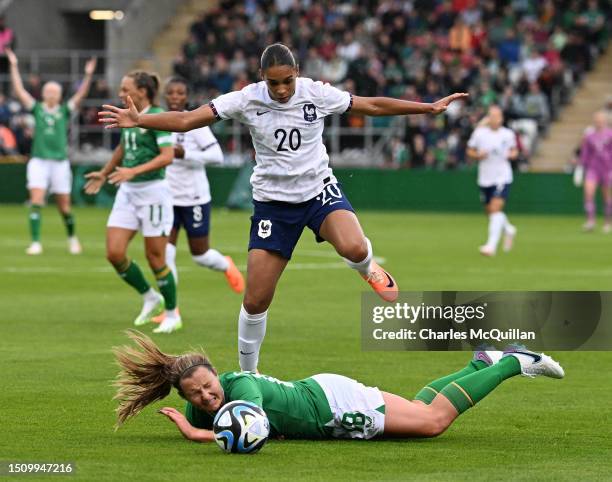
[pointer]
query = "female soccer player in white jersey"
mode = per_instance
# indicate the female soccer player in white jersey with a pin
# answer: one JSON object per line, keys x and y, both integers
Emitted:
{"x": 293, "y": 185}
{"x": 322, "y": 406}
{"x": 49, "y": 168}
{"x": 493, "y": 145}
{"x": 190, "y": 190}
{"x": 143, "y": 203}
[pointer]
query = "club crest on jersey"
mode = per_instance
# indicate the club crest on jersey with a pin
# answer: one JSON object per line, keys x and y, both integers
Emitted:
{"x": 265, "y": 228}
{"x": 310, "y": 112}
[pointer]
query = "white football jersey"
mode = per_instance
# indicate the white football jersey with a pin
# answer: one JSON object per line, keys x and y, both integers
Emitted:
{"x": 495, "y": 169}
{"x": 187, "y": 176}
{"x": 291, "y": 159}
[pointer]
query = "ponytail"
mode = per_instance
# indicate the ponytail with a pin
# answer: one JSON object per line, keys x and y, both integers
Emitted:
{"x": 148, "y": 375}
{"x": 148, "y": 81}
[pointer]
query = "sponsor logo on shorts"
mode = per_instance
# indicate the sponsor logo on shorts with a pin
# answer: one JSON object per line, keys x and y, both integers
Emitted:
{"x": 265, "y": 228}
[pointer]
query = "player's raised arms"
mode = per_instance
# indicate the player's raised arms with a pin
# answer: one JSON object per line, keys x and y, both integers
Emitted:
{"x": 203, "y": 116}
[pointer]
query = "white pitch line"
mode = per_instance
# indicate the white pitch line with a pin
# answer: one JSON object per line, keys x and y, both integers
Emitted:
{"x": 309, "y": 253}
{"x": 182, "y": 269}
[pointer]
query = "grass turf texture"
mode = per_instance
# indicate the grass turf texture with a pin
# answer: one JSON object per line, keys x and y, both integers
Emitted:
{"x": 61, "y": 315}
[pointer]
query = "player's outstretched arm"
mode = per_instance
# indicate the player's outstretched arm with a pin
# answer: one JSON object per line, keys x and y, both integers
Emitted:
{"x": 188, "y": 430}
{"x": 23, "y": 95}
{"x": 165, "y": 121}
{"x": 83, "y": 90}
{"x": 379, "y": 106}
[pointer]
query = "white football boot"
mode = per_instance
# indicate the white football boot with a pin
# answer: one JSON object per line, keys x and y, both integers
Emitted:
{"x": 172, "y": 322}
{"x": 534, "y": 364}
{"x": 74, "y": 247}
{"x": 34, "y": 249}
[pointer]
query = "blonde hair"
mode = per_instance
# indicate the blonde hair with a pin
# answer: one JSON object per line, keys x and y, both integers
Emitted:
{"x": 148, "y": 375}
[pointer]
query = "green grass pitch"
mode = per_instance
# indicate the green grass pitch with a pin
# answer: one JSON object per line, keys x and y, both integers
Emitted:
{"x": 60, "y": 316}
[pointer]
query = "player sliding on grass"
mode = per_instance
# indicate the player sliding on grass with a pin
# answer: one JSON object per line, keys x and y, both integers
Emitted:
{"x": 49, "y": 168}
{"x": 293, "y": 185}
{"x": 492, "y": 145}
{"x": 191, "y": 192}
{"x": 321, "y": 406}
{"x": 143, "y": 203}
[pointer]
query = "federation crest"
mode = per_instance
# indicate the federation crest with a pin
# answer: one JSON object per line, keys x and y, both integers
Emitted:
{"x": 310, "y": 112}
{"x": 265, "y": 228}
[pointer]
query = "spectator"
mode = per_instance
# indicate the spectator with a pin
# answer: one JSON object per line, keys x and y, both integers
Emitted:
{"x": 533, "y": 66}
{"x": 8, "y": 142}
{"x": 536, "y": 106}
{"x": 509, "y": 50}
{"x": 460, "y": 36}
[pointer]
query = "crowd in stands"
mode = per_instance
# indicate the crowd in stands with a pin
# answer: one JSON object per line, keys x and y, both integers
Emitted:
{"x": 525, "y": 55}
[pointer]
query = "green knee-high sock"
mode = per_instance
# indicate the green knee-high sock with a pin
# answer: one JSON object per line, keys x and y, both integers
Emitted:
{"x": 429, "y": 391}
{"x": 35, "y": 217}
{"x": 132, "y": 275}
{"x": 167, "y": 286}
{"x": 466, "y": 392}
{"x": 69, "y": 223}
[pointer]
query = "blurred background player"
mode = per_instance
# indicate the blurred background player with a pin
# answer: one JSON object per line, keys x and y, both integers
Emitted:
{"x": 143, "y": 203}
{"x": 49, "y": 168}
{"x": 596, "y": 161}
{"x": 293, "y": 185}
{"x": 493, "y": 145}
{"x": 191, "y": 191}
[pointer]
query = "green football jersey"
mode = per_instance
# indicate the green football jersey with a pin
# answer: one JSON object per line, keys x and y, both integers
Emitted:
{"x": 142, "y": 145}
{"x": 296, "y": 409}
{"x": 51, "y": 131}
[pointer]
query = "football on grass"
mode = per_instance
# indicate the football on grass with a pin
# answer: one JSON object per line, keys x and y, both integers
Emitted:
{"x": 241, "y": 427}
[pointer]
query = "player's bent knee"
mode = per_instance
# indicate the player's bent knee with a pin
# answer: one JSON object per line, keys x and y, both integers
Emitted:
{"x": 353, "y": 250}
{"x": 435, "y": 422}
{"x": 254, "y": 307}
{"x": 115, "y": 257}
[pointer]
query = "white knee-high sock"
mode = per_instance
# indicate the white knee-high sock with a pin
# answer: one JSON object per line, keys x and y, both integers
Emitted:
{"x": 496, "y": 225}
{"x": 171, "y": 260}
{"x": 362, "y": 266}
{"x": 212, "y": 259}
{"x": 508, "y": 226}
{"x": 251, "y": 332}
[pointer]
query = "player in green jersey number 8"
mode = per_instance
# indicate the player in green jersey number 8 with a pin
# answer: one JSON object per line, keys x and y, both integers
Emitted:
{"x": 143, "y": 203}
{"x": 49, "y": 168}
{"x": 318, "y": 407}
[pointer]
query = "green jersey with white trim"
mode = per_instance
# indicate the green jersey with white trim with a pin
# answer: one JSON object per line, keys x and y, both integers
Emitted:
{"x": 297, "y": 409}
{"x": 142, "y": 145}
{"x": 50, "y": 131}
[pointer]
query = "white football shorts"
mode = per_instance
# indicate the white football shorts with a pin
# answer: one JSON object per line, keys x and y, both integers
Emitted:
{"x": 358, "y": 411}
{"x": 144, "y": 207}
{"x": 51, "y": 175}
